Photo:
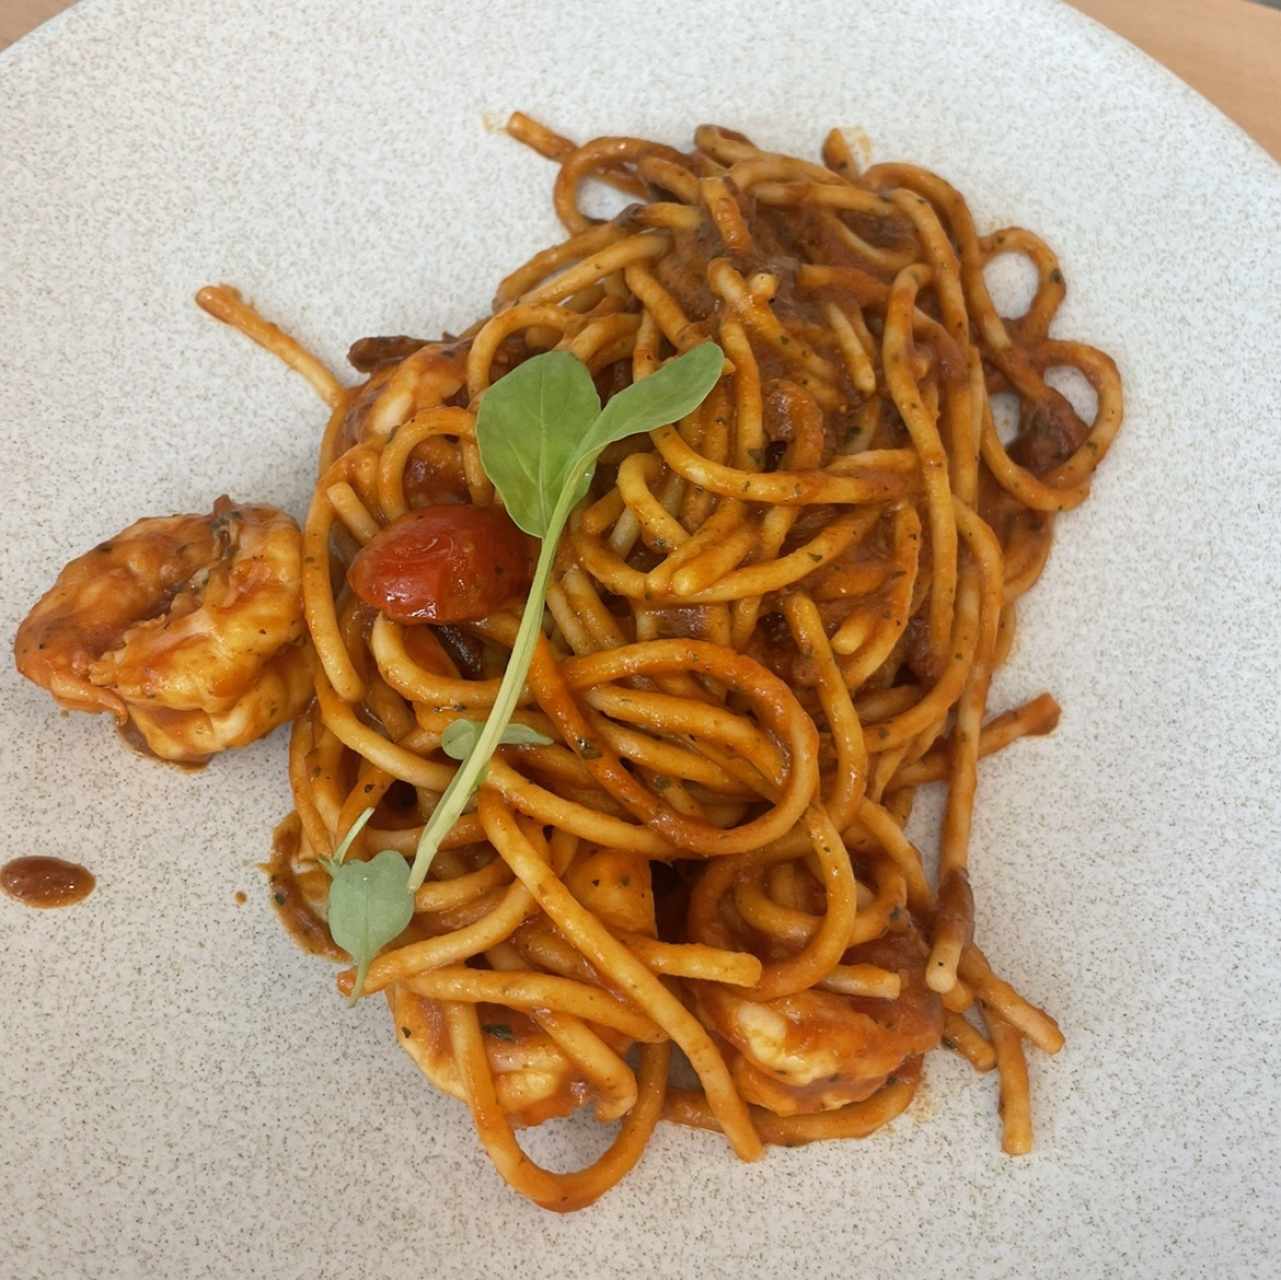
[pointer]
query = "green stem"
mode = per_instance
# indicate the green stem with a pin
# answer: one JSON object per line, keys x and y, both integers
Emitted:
{"x": 454, "y": 800}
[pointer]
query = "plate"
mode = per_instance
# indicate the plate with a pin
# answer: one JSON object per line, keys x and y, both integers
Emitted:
{"x": 182, "y": 1092}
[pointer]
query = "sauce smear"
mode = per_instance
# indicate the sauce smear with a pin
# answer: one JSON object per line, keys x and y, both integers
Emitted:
{"x": 46, "y": 882}
{"x": 304, "y": 926}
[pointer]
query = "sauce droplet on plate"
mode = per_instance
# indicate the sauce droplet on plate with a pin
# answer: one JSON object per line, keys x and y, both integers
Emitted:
{"x": 45, "y": 882}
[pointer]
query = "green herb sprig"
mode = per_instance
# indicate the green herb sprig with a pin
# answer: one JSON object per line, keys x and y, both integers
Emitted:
{"x": 460, "y": 738}
{"x": 368, "y": 905}
{"x": 540, "y": 431}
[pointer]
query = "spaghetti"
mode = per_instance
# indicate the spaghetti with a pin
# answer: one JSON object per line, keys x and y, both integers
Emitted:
{"x": 769, "y": 624}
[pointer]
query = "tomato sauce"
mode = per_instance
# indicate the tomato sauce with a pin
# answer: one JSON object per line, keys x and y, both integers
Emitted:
{"x": 46, "y": 882}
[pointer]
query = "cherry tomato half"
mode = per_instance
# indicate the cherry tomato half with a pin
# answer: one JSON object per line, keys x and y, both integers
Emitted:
{"x": 448, "y": 563}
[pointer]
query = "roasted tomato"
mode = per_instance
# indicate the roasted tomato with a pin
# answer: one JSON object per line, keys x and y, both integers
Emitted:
{"x": 449, "y": 563}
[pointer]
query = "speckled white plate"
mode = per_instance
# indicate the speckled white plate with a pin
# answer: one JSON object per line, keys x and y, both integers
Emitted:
{"x": 182, "y": 1095}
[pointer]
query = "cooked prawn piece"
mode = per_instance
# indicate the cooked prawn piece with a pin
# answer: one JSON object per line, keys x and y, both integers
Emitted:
{"x": 188, "y": 628}
{"x": 817, "y": 1050}
{"x": 406, "y": 375}
{"x": 533, "y": 1079}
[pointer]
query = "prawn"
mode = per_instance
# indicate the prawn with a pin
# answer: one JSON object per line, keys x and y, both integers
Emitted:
{"x": 533, "y": 1078}
{"x": 817, "y": 1050}
{"x": 537, "y": 1074}
{"x": 188, "y": 629}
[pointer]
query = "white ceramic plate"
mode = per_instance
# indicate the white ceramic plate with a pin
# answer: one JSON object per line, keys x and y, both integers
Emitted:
{"x": 181, "y": 1092}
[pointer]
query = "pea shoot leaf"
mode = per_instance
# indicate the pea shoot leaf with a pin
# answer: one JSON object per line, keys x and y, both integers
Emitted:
{"x": 460, "y": 738}
{"x": 529, "y": 427}
{"x": 369, "y": 905}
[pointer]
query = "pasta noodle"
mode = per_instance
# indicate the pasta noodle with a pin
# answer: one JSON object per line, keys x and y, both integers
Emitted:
{"x": 768, "y": 625}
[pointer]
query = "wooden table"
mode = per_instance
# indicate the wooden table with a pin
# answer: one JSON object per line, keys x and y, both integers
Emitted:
{"x": 1228, "y": 50}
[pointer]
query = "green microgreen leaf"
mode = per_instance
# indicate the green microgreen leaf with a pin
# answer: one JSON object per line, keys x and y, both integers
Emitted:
{"x": 529, "y": 427}
{"x": 667, "y": 395}
{"x": 368, "y": 906}
{"x": 459, "y": 739}
{"x": 540, "y": 430}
